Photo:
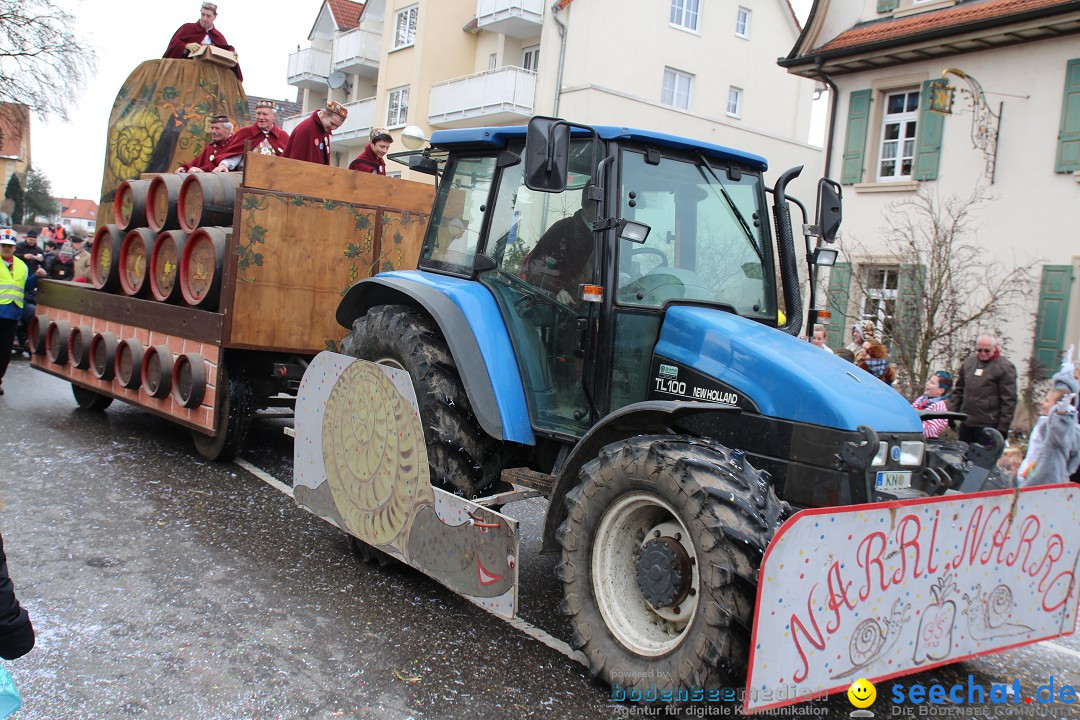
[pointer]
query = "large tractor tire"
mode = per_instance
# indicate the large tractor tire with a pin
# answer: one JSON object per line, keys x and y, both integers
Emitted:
{"x": 461, "y": 456}
{"x": 90, "y": 400}
{"x": 660, "y": 554}
{"x": 235, "y": 415}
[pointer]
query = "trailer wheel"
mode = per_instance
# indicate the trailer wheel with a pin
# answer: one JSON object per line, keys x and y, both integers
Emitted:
{"x": 371, "y": 555}
{"x": 660, "y": 553}
{"x": 89, "y": 400}
{"x": 461, "y": 456}
{"x": 234, "y": 415}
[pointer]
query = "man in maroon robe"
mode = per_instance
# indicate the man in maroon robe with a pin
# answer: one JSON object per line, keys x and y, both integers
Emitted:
{"x": 264, "y": 137}
{"x": 190, "y": 36}
{"x": 310, "y": 140}
{"x": 221, "y": 133}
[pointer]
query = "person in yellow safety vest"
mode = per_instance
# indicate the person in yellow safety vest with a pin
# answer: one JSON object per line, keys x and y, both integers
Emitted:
{"x": 13, "y": 276}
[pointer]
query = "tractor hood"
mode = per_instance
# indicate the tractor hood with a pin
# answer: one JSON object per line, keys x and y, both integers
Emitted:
{"x": 783, "y": 376}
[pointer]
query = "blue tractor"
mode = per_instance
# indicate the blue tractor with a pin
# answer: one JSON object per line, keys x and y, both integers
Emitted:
{"x": 595, "y": 315}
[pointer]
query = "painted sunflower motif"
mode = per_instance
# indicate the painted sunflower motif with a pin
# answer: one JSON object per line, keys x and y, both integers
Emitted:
{"x": 133, "y": 143}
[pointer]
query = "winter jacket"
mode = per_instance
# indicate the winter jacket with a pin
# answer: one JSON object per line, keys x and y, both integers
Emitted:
{"x": 16, "y": 632}
{"x": 986, "y": 392}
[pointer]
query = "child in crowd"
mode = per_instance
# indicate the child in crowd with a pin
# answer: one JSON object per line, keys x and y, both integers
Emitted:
{"x": 936, "y": 394}
{"x": 1054, "y": 446}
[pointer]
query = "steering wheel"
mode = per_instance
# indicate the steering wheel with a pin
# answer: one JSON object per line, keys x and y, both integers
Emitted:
{"x": 649, "y": 251}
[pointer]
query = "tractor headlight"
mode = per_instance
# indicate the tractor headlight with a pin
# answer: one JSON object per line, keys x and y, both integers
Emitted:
{"x": 911, "y": 452}
{"x": 882, "y": 454}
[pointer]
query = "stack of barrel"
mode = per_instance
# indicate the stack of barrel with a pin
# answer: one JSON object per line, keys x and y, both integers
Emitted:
{"x": 168, "y": 239}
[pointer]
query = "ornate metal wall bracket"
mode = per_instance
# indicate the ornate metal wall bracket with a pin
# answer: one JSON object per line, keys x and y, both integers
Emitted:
{"x": 985, "y": 123}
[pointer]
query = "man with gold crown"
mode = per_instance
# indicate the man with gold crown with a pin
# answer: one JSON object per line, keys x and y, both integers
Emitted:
{"x": 265, "y": 137}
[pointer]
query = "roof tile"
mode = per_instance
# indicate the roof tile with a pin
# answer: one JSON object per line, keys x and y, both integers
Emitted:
{"x": 346, "y": 13}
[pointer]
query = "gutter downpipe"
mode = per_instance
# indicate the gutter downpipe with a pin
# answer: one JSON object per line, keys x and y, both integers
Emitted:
{"x": 555, "y": 8}
{"x": 820, "y": 70}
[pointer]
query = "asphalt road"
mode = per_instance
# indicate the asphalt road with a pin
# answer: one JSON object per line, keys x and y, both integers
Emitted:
{"x": 163, "y": 586}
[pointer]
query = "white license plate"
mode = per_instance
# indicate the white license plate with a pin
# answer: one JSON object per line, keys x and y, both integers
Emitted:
{"x": 893, "y": 480}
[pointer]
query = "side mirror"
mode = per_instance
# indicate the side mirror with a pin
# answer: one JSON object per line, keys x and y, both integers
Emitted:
{"x": 829, "y": 213}
{"x": 547, "y": 154}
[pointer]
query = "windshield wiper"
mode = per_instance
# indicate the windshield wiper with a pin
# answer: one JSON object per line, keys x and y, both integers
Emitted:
{"x": 731, "y": 204}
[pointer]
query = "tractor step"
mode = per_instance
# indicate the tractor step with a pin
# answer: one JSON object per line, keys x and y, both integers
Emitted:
{"x": 525, "y": 477}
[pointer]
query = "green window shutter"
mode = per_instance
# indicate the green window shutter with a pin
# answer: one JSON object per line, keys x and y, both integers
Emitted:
{"x": 837, "y": 303}
{"x": 910, "y": 305}
{"x": 884, "y": 6}
{"x": 855, "y": 140}
{"x": 928, "y": 145}
{"x": 1050, "y": 322}
{"x": 1068, "y": 151}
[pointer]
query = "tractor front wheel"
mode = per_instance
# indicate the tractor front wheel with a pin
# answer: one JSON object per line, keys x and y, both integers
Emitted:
{"x": 660, "y": 553}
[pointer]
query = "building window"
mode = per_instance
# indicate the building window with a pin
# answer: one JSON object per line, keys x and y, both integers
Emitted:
{"x": 405, "y": 26}
{"x": 742, "y": 23}
{"x": 878, "y": 303}
{"x": 397, "y": 106}
{"x": 685, "y": 14}
{"x": 678, "y": 88}
{"x": 530, "y": 58}
{"x": 734, "y": 101}
{"x": 900, "y": 117}
{"x": 493, "y": 61}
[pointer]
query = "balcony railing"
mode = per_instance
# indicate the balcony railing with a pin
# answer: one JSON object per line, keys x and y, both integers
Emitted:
{"x": 517, "y": 18}
{"x": 357, "y": 52}
{"x": 289, "y": 124}
{"x": 497, "y": 96}
{"x": 309, "y": 68}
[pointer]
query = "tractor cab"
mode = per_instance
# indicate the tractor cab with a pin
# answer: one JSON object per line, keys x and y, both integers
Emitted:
{"x": 584, "y": 262}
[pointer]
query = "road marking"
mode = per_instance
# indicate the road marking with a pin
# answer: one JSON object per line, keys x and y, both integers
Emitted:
{"x": 265, "y": 477}
{"x": 542, "y": 636}
{"x": 1061, "y": 648}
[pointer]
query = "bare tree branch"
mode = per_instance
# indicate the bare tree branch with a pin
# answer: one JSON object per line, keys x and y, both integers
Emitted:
{"x": 42, "y": 59}
{"x": 956, "y": 288}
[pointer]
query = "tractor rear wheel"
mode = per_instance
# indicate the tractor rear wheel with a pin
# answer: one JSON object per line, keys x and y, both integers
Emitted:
{"x": 89, "y": 400}
{"x": 660, "y": 554}
{"x": 234, "y": 418}
{"x": 461, "y": 456}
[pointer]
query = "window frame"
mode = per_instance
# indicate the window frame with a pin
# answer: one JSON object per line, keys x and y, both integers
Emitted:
{"x": 676, "y": 75}
{"x": 410, "y": 26}
{"x": 903, "y": 119}
{"x": 680, "y": 7}
{"x": 404, "y": 116}
{"x": 738, "y": 93}
{"x": 744, "y": 14}
{"x": 532, "y": 52}
{"x": 879, "y": 297}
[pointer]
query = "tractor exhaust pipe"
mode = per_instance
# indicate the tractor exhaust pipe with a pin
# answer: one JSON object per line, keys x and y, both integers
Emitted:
{"x": 789, "y": 272}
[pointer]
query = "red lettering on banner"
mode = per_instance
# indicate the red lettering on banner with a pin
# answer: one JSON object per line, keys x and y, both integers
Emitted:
{"x": 1029, "y": 530}
{"x": 1000, "y": 536}
{"x": 1055, "y": 546}
{"x": 974, "y": 536}
{"x": 905, "y": 543}
{"x": 868, "y": 559}
{"x": 1068, "y": 591}
{"x": 838, "y": 596}
{"x": 817, "y": 639}
{"x": 931, "y": 568}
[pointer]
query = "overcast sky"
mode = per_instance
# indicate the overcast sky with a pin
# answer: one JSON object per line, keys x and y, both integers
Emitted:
{"x": 125, "y": 33}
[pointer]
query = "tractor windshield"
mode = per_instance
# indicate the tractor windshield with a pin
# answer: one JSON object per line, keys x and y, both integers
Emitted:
{"x": 708, "y": 239}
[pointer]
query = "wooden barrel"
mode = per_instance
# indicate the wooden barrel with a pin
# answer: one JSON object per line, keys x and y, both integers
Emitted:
{"x": 36, "y": 333}
{"x": 165, "y": 266}
{"x": 161, "y": 202}
{"x": 103, "y": 355}
{"x": 129, "y": 204}
{"x": 129, "y": 357}
{"x": 157, "y": 365}
{"x": 105, "y": 258}
{"x": 56, "y": 341}
{"x": 134, "y": 257}
{"x": 189, "y": 380}
{"x": 79, "y": 346}
{"x": 207, "y": 199}
{"x": 201, "y": 267}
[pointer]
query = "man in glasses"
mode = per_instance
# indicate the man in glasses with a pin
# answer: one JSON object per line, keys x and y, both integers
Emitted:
{"x": 985, "y": 391}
